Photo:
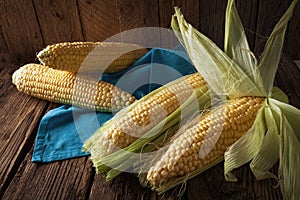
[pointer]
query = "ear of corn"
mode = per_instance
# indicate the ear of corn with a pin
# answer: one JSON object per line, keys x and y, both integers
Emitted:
{"x": 67, "y": 88}
{"x": 91, "y": 56}
{"x": 130, "y": 158}
{"x": 142, "y": 116}
{"x": 205, "y": 141}
{"x": 272, "y": 129}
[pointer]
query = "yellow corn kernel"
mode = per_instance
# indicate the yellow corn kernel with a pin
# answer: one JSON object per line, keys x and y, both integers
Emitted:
{"x": 65, "y": 87}
{"x": 91, "y": 56}
{"x": 200, "y": 145}
{"x": 137, "y": 121}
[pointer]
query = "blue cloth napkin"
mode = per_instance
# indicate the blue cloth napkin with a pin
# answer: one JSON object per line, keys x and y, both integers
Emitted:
{"x": 62, "y": 130}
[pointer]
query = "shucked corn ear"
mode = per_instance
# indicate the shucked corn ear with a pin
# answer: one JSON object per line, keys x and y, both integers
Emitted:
{"x": 65, "y": 87}
{"x": 122, "y": 131}
{"x": 205, "y": 141}
{"x": 91, "y": 56}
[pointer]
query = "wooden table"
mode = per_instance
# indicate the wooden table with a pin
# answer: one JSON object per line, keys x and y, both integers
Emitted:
{"x": 75, "y": 178}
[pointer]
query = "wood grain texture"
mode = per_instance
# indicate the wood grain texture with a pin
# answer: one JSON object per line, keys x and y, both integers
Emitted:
{"x": 287, "y": 79}
{"x": 4, "y": 52}
{"x": 268, "y": 15}
{"x": 20, "y": 30}
{"x": 133, "y": 16}
{"x": 99, "y": 19}
{"x": 117, "y": 25}
{"x": 292, "y": 40}
{"x": 247, "y": 10}
{"x": 213, "y": 185}
{"x": 22, "y": 22}
{"x": 19, "y": 117}
{"x": 212, "y": 20}
{"x": 127, "y": 186}
{"x": 59, "y": 21}
{"x": 68, "y": 179}
{"x": 190, "y": 10}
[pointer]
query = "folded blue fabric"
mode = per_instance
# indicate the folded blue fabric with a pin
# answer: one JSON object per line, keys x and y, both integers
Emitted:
{"x": 62, "y": 130}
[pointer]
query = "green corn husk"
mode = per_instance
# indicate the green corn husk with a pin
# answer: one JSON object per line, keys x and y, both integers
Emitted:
{"x": 91, "y": 141}
{"x": 235, "y": 73}
{"x": 279, "y": 117}
{"x": 123, "y": 159}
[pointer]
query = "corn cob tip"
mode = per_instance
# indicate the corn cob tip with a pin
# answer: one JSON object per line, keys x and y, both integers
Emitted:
{"x": 16, "y": 76}
{"x": 43, "y": 56}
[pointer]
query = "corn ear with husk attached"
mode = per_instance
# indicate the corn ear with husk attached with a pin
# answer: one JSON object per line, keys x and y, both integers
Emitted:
{"x": 204, "y": 142}
{"x": 137, "y": 156}
{"x": 236, "y": 73}
{"x": 145, "y": 120}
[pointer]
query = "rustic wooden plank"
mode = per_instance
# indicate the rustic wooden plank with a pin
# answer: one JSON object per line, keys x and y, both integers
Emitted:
{"x": 212, "y": 185}
{"x": 287, "y": 79}
{"x": 135, "y": 14}
{"x": 19, "y": 117}
{"x": 126, "y": 186}
{"x": 4, "y": 52}
{"x": 68, "y": 179}
{"x": 190, "y": 10}
{"x": 268, "y": 15}
{"x": 206, "y": 185}
{"x": 138, "y": 14}
{"x": 20, "y": 30}
{"x": 247, "y": 10}
{"x": 212, "y": 20}
{"x": 266, "y": 189}
{"x": 292, "y": 40}
{"x": 112, "y": 20}
{"x": 99, "y": 19}
{"x": 59, "y": 20}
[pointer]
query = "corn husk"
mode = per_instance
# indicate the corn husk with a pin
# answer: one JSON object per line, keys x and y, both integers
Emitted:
{"x": 236, "y": 73}
{"x": 129, "y": 158}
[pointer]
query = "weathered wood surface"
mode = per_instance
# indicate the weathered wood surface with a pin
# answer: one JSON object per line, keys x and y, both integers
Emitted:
{"x": 58, "y": 21}
{"x": 20, "y": 30}
{"x": 19, "y": 117}
{"x": 27, "y": 26}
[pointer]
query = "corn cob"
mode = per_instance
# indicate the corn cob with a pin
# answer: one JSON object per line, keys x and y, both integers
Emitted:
{"x": 103, "y": 56}
{"x": 205, "y": 141}
{"x": 59, "y": 86}
{"x": 141, "y": 118}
